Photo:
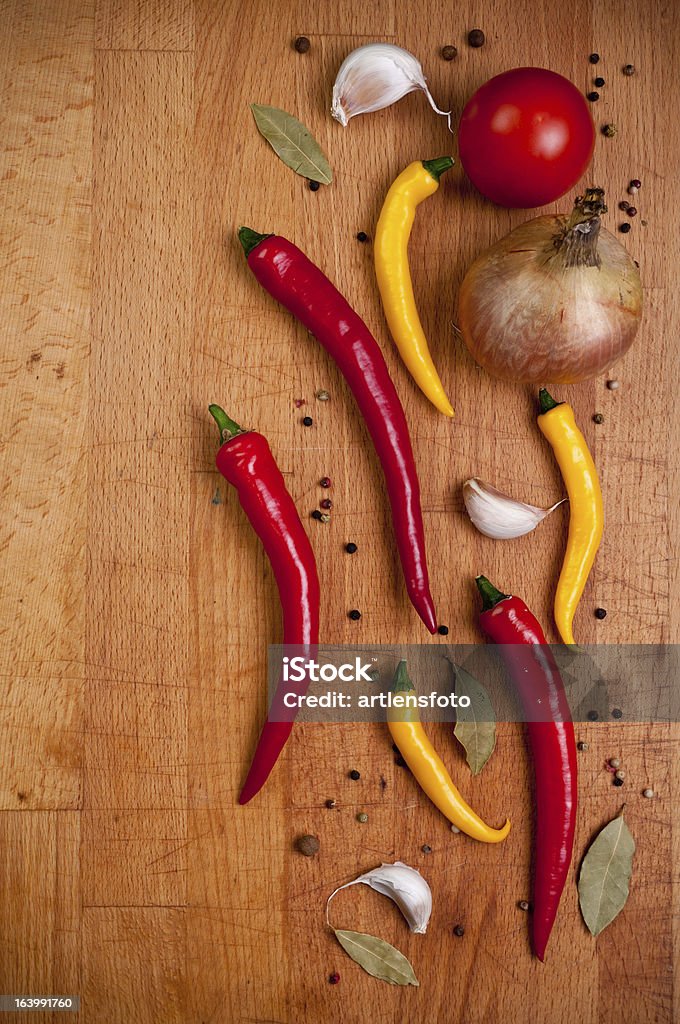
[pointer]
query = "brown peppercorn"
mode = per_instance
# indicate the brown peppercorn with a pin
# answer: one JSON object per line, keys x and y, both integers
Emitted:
{"x": 476, "y": 38}
{"x": 609, "y": 130}
{"x": 426, "y": 848}
{"x": 624, "y": 205}
{"x": 449, "y": 52}
{"x": 308, "y": 846}
{"x": 459, "y": 931}
{"x": 330, "y": 804}
{"x": 302, "y": 44}
{"x": 628, "y": 70}
{"x": 598, "y": 418}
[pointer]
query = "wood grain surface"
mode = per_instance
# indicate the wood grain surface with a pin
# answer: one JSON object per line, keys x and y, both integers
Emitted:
{"x": 136, "y": 604}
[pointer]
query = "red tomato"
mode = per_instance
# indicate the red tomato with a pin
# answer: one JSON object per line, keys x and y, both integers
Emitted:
{"x": 526, "y": 137}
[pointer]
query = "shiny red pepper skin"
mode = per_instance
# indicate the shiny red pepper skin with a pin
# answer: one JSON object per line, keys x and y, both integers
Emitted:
{"x": 293, "y": 280}
{"x": 553, "y": 747}
{"x": 246, "y": 461}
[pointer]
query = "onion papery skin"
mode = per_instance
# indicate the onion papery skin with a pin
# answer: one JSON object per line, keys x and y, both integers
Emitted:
{"x": 529, "y": 317}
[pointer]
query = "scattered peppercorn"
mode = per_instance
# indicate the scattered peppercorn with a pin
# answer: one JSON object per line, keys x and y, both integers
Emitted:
{"x": 454, "y": 828}
{"x": 449, "y": 52}
{"x": 400, "y": 762}
{"x": 299, "y": 402}
{"x": 350, "y": 548}
{"x": 644, "y": 224}
{"x": 613, "y": 385}
{"x": 648, "y": 793}
{"x": 333, "y": 978}
{"x": 599, "y": 82}
{"x": 609, "y": 130}
{"x": 600, "y": 613}
{"x": 593, "y": 716}
{"x": 307, "y": 421}
{"x": 632, "y": 211}
{"x": 598, "y": 418}
{"x": 594, "y": 58}
{"x": 443, "y": 630}
{"x": 624, "y": 205}
{"x": 523, "y": 904}
{"x": 593, "y": 96}
{"x": 617, "y": 713}
{"x": 316, "y": 514}
{"x": 617, "y": 782}
{"x": 302, "y": 44}
{"x": 313, "y": 186}
{"x": 307, "y": 845}
{"x": 582, "y": 745}
{"x": 624, "y": 228}
{"x": 629, "y": 69}
{"x": 614, "y": 762}
{"x": 326, "y": 503}
{"x": 425, "y": 848}
{"x": 325, "y": 482}
{"x": 459, "y": 931}
{"x": 383, "y": 782}
{"x": 362, "y": 236}
{"x": 355, "y": 615}
{"x": 620, "y": 774}
{"x": 324, "y": 517}
{"x": 330, "y": 804}
{"x": 354, "y": 774}
{"x": 362, "y": 817}
{"x": 476, "y": 38}
{"x": 322, "y": 395}
{"x": 635, "y": 183}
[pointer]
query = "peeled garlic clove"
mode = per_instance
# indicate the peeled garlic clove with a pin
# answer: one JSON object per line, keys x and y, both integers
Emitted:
{"x": 498, "y": 515}
{"x": 376, "y": 76}
{"x": 404, "y": 886}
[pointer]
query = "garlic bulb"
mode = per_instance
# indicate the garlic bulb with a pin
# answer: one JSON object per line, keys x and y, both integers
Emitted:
{"x": 498, "y": 515}
{"x": 376, "y": 76}
{"x": 402, "y": 884}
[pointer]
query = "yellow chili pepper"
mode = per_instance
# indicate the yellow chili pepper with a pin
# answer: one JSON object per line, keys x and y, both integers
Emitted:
{"x": 429, "y": 770}
{"x": 417, "y": 182}
{"x": 586, "y": 513}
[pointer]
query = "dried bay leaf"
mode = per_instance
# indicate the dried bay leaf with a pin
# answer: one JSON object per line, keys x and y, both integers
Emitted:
{"x": 475, "y": 727}
{"x": 604, "y": 878}
{"x": 377, "y": 957}
{"x": 292, "y": 143}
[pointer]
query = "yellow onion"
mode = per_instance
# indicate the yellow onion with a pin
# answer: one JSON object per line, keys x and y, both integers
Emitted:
{"x": 558, "y": 300}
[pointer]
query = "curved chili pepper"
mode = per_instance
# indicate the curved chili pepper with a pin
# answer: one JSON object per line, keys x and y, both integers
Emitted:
{"x": 298, "y": 284}
{"x": 246, "y": 461}
{"x": 586, "y": 513}
{"x": 508, "y": 621}
{"x": 429, "y": 770}
{"x": 418, "y": 181}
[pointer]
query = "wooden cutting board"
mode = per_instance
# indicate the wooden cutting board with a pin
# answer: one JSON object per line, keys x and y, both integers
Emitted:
{"x": 136, "y": 604}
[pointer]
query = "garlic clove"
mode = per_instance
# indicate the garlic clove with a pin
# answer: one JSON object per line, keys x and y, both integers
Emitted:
{"x": 376, "y": 76}
{"x": 405, "y": 886}
{"x": 498, "y": 515}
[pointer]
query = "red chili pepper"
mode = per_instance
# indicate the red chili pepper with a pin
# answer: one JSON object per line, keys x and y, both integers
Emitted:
{"x": 294, "y": 281}
{"x": 246, "y": 461}
{"x": 534, "y": 672}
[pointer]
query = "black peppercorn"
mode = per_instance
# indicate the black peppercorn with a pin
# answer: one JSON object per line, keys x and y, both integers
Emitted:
{"x": 354, "y": 774}
{"x": 617, "y": 713}
{"x": 355, "y": 614}
{"x": 598, "y": 418}
{"x": 425, "y": 848}
{"x": 593, "y": 96}
{"x": 628, "y": 70}
{"x": 449, "y": 52}
{"x": 459, "y": 931}
{"x": 443, "y": 630}
{"x": 593, "y": 716}
{"x": 600, "y": 613}
{"x": 476, "y": 38}
{"x": 362, "y": 236}
{"x": 624, "y": 228}
{"x": 618, "y": 782}
{"x": 594, "y": 58}
{"x": 313, "y": 186}
{"x": 599, "y": 82}
{"x": 302, "y": 44}
{"x": 330, "y": 804}
{"x": 307, "y": 421}
{"x": 316, "y": 514}
{"x": 350, "y": 548}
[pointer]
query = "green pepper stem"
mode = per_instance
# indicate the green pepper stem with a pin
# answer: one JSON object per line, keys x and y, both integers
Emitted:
{"x": 227, "y": 427}
{"x": 490, "y": 595}
{"x": 437, "y": 167}
{"x": 249, "y": 239}
{"x": 401, "y": 681}
{"x": 546, "y": 401}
